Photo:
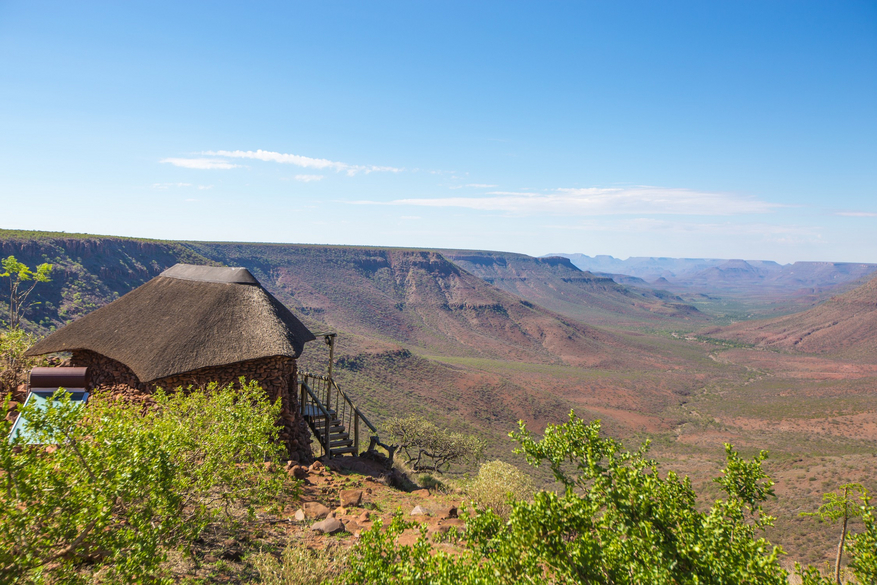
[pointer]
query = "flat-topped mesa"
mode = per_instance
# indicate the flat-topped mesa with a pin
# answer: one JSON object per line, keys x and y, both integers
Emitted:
{"x": 192, "y": 325}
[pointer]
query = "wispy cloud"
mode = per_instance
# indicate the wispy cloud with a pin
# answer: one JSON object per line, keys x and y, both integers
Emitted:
{"x": 200, "y": 163}
{"x": 169, "y": 185}
{"x": 309, "y": 178}
{"x": 300, "y": 161}
{"x": 600, "y": 201}
{"x": 474, "y": 186}
{"x": 856, "y": 214}
{"x": 180, "y": 185}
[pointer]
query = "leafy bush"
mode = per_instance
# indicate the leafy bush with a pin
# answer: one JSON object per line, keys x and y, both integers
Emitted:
{"x": 13, "y": 365}
{"x": 299, "y": 565}
{"x": 617, "y": 522}
{"x": 109, "y": 488}
{"x": 429, "y": 448}
{"x": 863, "y": 546}
{"x": 498, "y": 485}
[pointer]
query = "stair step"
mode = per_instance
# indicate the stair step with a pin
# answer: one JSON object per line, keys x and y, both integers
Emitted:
{"x": 343, "y": 451}
{"x": 311, "y": 410}
{"x": 344, "y": 443}
{"x": 332, "y": 430}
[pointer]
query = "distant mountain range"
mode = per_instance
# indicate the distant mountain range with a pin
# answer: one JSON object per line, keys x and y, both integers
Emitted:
{"x": 557, "y": 284}
{"x": 741, "y": 277}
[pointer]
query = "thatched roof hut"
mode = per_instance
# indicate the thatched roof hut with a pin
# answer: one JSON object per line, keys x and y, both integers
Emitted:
{"x": 192, "y": 325}
{"x": 187, "y": 318}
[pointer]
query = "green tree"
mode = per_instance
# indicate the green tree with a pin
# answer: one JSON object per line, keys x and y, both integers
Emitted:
{"x": 843, "y": 507}
{"x": 13, "y": 364}
{"x": 617, "y": 521}
{"x": 108, "y": 489}
{"x": 427, "y": 447}
{"x": 19, "y": 274}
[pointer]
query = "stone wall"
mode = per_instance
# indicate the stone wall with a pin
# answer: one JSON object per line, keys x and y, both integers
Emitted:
{"x": 276, "y": 375}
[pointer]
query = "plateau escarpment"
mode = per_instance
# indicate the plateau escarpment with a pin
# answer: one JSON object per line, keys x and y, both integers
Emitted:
{"x": 557, "y": 284}
{"x": 845, "y": 325}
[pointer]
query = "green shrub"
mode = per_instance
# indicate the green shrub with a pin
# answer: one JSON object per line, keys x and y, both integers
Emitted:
{"x": 109, "y": 488}
{"x": 498, "y": 485}
{"x": 863, "y": 546}
{"x": 617, "y": 522}
{"x": 13, "y": 365}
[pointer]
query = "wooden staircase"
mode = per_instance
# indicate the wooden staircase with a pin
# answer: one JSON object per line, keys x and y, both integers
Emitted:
{"x": 333, "y": 418}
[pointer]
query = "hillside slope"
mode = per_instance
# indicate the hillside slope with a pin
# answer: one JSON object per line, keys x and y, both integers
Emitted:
{"x": 557, "y": 284}
{"x": 844, "y": 325}
{"x": 417, "y": 298}
{"x": 88, "y": 271}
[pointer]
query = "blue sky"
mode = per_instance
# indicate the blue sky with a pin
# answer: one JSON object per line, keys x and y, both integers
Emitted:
{"x": 736, "y": 129}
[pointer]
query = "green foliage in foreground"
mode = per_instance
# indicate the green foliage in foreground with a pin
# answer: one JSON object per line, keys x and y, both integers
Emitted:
{"x": 617, "y": 522}
{"x": 110, "y": 488}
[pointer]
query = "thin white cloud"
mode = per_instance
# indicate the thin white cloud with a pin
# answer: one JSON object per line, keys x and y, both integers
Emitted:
{"x": 309, "y": 178}
{"x": 200, "y": 163}
{"x": 600, "y": 201}
{"x": 169, "y": 185}
{"x": 474, "y": 186}
{"x": 301, "y": 161}
{"x": 856, "y": 214}
{"x": 204, "y": 187}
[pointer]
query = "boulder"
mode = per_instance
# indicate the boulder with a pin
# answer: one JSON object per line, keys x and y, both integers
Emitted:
{"x": 328, "y": 526}
{"x": 314, "y": 510}
{"x": 351, "y": 497}
{"x": 420, "y": 511}
{"x": 298, "y": 472}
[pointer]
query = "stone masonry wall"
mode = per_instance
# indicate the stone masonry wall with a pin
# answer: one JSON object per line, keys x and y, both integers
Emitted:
{"x": 276, "y": 375}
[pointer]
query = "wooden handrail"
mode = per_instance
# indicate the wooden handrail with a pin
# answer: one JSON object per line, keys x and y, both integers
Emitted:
{"x": 349, "y": 417}
{"x": 326, "y": 414}
{"x": 344, "y": 395}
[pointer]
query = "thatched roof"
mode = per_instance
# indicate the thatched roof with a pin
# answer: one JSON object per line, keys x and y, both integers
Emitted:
{"x": 187, "y": 318}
